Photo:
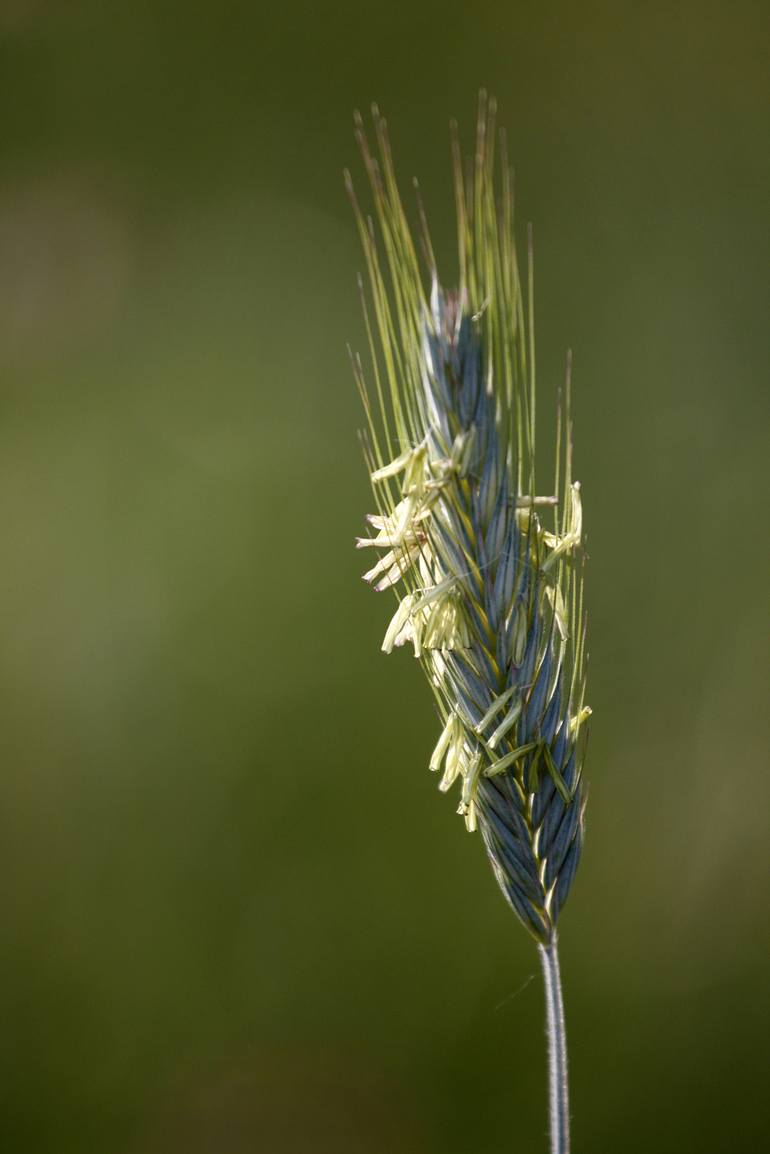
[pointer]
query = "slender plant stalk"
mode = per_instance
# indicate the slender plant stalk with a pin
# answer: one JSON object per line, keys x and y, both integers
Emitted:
{"x": 487, "y": 570}
{"x": 558, "y": 1086}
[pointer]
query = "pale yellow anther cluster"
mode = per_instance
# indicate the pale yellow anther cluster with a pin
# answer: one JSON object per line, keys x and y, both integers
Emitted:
{"x": 431, "y": 617}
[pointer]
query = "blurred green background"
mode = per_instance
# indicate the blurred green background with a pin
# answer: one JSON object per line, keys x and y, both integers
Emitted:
{"x": 236, "y": 915}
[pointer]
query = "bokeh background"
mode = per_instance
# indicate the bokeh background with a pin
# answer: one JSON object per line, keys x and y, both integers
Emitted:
{"x": 236, "y": 915}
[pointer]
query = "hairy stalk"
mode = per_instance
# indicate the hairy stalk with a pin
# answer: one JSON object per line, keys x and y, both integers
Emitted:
{"x": 487, "y": 570}
{"x": 558, "y": 1087}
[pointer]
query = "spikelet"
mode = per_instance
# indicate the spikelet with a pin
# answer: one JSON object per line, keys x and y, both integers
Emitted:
{"x": 488, "y": 573}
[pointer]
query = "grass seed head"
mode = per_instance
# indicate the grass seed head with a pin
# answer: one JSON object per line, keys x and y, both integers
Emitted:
{"x": 487, "y": 571}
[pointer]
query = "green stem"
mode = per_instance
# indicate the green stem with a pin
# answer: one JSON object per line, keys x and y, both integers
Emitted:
{"x": 557, "y": 1049}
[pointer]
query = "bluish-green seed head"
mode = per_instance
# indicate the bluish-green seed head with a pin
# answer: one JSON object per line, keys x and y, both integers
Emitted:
{"x": 487, "y": 571}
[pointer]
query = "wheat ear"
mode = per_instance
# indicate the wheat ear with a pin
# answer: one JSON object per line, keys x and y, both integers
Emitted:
{"x": 487, "y": 571}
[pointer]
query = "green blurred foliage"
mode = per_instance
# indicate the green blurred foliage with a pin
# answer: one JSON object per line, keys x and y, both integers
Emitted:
{"x": 236, "y": 914}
